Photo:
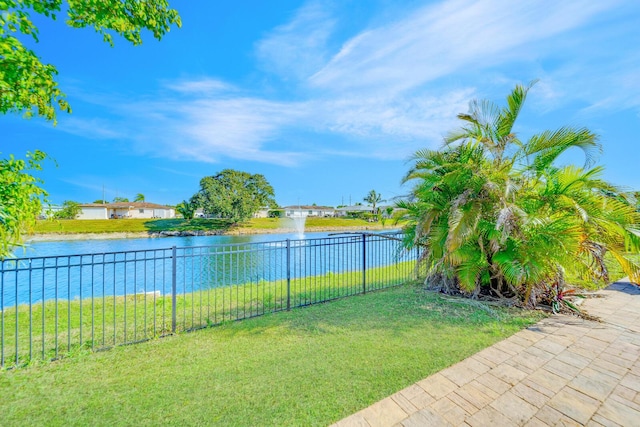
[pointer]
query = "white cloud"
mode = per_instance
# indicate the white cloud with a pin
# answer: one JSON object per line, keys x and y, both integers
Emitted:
{"x": 209, "y": 128}
{"x": 200, "y": 86}
{"x": 94, "y": 128}
{"x": 389, "y": 90}
{"x": 298, "y": 48}
{"x": 449, "y": 37}
{"x": 392, "y": 127}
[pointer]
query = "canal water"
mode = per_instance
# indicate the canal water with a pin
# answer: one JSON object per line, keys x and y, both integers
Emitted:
{"x": 76, "y": 247}
{"x": 63, "y": 270}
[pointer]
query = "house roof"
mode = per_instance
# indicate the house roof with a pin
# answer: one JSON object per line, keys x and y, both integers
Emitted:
{"x": 355, "y": 208}
{"x": 125, "y": 205}
{"x": 92, "y": 205}
{"x": 308, "y": 208}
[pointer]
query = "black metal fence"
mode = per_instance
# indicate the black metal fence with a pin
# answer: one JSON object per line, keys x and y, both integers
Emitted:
{"x": 54, "y": 306}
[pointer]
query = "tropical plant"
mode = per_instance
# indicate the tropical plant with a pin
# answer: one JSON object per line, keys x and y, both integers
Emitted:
{"x": 388, "y": 213}
{"x": 187, "y": 209}
{"x": 21, "y": 198}
{"x": 373, "y": 198}
{"x": 559, "y": 298}
{"x": 70, "y": 210}
{"x": 120, "y": 200}
{"x": 495, "y": 214}
{"x": 139, "y": 198}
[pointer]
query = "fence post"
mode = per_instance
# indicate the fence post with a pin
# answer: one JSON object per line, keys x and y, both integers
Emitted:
{"x": 174, "y": 288}
{"x": 364, "y": 263}
{"x": 288, "y": 274}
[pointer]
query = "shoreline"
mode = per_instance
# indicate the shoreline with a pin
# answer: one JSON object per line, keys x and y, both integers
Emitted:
{"x": 53, "y": 237}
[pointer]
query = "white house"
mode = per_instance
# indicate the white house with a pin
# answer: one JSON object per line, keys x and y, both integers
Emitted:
{"x": 262, "y": 213}
{"x": 93, "y": 211}
{"x": 125, "y": 210}
{"x": 298, "y": 211}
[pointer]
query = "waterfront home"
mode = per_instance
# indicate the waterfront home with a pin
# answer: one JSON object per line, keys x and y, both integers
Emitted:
{"x": 298, "y": 211}
{"x": 125, "y": 210}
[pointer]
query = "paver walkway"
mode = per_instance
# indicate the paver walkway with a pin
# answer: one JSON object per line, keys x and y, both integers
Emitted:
{"x": 561, "y": 371}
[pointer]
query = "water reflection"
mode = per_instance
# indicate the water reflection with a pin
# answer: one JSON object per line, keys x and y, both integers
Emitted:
{"x": 71, "y": 247}
{"x": 67, "y": 270}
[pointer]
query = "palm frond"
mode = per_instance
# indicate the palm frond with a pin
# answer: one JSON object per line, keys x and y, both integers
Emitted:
{"x": 509, "y": 113}
{"x": 544, "y": 148}
{"x": 630, "y": 267}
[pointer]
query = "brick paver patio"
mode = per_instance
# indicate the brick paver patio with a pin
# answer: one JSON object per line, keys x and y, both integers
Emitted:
{"x": 561, "y": 371}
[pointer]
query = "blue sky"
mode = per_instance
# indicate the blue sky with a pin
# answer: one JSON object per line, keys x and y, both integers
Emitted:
{"x": 327, "y": 99}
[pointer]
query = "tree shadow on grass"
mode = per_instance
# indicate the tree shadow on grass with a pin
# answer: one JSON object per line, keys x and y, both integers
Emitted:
{"x": 196, "y": 224}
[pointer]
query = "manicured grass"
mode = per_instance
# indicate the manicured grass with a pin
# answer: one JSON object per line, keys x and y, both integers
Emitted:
{"x": 266, "y": 224}
{"x": 179, "y": 224}
{"x": 71, "y": 226}
{"x": 50, "y": 329}
{"x": 66, "y": 226}
{"x": 311, "y": 222}
{"x": 309, "y": 366}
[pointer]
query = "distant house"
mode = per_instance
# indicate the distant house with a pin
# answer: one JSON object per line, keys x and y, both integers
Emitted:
{"x": 48, "y": 211}
{"x": 262, "y": 213}
{"x": 356, "y": 209}
{"x": 298, "y": 211}
{"x": 125, "y": 210}
{"x": 93, "y": 211}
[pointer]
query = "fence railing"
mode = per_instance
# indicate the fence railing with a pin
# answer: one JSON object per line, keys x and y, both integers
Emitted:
{"x": 53, "y": 306}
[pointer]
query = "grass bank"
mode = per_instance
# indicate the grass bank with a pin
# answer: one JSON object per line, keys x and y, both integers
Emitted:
{"x": 309, "y": 366}
{"x": 255, "y": 225}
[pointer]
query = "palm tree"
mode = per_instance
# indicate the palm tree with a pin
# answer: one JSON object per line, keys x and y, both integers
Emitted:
{"x": 139, "y": 198}
{"x": 187, "y": 208}
{"x": 373, "y": 198}
{"x": 495, "y": 214}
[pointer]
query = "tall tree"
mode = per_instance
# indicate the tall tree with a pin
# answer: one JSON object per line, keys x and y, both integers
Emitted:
{"x": 234, "y": 194}
{"x": 139, "y": 198}
{"x": 120, "y": 200}
{"x": 373, "y": 198}
{"x": 494, "y": 213}
{"x": 28, "y": 86}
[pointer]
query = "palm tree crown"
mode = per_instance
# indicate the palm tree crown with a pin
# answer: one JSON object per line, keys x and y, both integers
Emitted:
{"x": 373, "y": 198}
{"x": 496, "y": 214}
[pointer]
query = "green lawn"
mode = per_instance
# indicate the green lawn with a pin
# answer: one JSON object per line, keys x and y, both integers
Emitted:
{"x": 49, "y": 330}
{"x": 311, "y": 222}
{"x": 70, "y": 226}
{"x": 309, "y": 366}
